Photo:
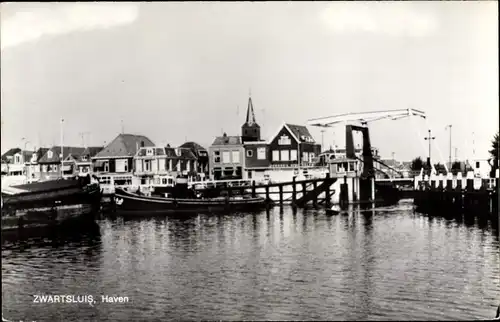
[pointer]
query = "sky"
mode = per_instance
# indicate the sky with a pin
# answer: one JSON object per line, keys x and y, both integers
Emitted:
{"x": 184, "y": 71}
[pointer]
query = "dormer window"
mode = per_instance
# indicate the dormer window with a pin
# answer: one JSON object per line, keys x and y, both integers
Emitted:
{"x": 84, "y": 158}
{"x": 284, "y": 140}
{"x": 33, "y": 157}
{"x": 149, "y": 152}
{"x": 178, "y": 152}
{"x": 50, "y": 154}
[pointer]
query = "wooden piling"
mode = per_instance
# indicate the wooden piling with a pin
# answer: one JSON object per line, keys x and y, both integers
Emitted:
{"x": 294, "y": 191}
{"x": 281, "y": 195}
{"x": 253, "y": 189}
{"x": 267, "y": 193}
{"x": 327, "y": 191}
{"x": 315, "y": 199}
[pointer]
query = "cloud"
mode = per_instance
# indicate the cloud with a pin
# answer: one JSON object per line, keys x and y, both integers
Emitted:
{"x": 394, "y": 18}
{"x": 29, "y": 24}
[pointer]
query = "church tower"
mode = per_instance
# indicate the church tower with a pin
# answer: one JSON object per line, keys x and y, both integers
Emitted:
{"x": 250, "y": 131}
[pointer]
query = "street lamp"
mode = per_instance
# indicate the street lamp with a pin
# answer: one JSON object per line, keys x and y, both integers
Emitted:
{"x": 430, "y": 138}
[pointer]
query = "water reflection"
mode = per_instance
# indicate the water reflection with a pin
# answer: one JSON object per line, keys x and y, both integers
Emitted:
{"x": 387, "y": 263}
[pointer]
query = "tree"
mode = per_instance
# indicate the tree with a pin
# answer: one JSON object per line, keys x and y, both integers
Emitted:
{"x": 494, "y": 153}
{"x": 417, "y": 164}
{"x": 456, "y": 167}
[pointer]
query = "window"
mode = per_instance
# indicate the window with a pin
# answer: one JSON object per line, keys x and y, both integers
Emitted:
{"x": 18, "y": 159}
{"x": 351, "y": 166}
{"x": 216, "y": 156}
{"x": 249, "y": 153}
{"x": 276, "y": 155}
{"x": 84, "y": 158}
{"x": 178, "y": 166}
{"x": 106, "y": 166}
{"x": 477, "y": 165}
{"x": 147, "y": 165}
{"x": 261, "y": 153}
{"x": 44, "y": 168}
{"x": 305, "y": 156}
{"x": 170, "y": 166}
{"x": 188, "y": 166}
{"x": 121, "y": 165}
{"x": 226, "y": 157}
{"x": 311, "y": 157}
{"x": 293, "y": 155}
{"x": 149, "y": 152}
{"x": 236, "y": 156}
{"x": 50, "y": 154}
{"x": 284, "y": 140}
{"x": 164, "y": 181}
{"x": 285, "y": 155}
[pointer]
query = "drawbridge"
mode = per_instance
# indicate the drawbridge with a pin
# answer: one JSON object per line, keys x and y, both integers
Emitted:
{"x": 358, "y": 122}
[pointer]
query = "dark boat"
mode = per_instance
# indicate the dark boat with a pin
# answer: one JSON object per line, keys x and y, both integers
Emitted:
{"x": 129, "y": 202}
{"x": 29, "y": 207}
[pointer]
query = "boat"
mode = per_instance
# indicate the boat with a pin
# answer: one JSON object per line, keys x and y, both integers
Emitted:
{"x": 170, "y": 203}
{"x": 334, "y": 210}
{"x": 51, "y": 203}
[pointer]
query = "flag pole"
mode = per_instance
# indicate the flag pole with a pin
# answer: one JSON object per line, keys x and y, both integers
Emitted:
{"x": 62, "y": 147}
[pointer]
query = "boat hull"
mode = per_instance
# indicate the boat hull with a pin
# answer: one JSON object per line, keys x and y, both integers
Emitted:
{"x": 127, "y": 203}
{"x": 53, "y": 205}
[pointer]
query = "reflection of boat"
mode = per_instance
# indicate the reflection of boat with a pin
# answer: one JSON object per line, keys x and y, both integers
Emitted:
{"x": 47, "y": 204}
{"x": 133, "y": 202}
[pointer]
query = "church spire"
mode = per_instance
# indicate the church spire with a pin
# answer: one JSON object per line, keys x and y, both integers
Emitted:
{"x": 250, "y": 113}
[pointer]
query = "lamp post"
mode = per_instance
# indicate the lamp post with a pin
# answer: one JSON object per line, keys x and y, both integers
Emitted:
{"x": 430, "y": 138}
{"x": 449, "y": 126}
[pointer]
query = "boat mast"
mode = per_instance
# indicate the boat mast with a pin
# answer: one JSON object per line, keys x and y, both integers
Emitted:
{"x": 62, "y": 147}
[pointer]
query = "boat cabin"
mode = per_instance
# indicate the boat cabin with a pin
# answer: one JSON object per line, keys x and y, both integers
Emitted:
{"x": 344, "y": 167}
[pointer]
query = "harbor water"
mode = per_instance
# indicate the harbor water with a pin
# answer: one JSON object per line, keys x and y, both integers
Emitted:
{"x": 383, "y": 264}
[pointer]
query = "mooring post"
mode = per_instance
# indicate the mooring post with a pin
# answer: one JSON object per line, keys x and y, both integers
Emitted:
{"x": 304, "y": 189}
{"x": 373, "y": 188}
{"x": 281, "y": 194}
{"x": 315, "y": 199}
{"x": 327, "y": 190}
{"x": 294, "y": 191}
{"x": 267, "y": 193}
{"x": 253, "y": 189}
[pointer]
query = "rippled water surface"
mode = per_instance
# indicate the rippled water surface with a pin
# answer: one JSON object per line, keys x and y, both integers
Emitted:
{"x": 386, "y": 264}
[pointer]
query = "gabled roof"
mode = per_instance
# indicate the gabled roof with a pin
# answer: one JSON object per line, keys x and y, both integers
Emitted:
{"x": 185, "y": 153}
{"x": 301, "y": 132}
{"x": 196, "y": 148}
{"x": 298, "y": 132}
{"x": 40, "y": 153}
{"x": 124, "y": 145}
{"x": 10, "y": 153}
{"x": 56, "y": 151}
{"x": 227, "y": 140}
{"x": 92, "y": 150}
{"x": 193, "y": 146}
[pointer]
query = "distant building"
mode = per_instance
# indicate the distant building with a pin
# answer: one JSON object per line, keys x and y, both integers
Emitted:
{"x": 79, "y": 161}
{"x": 50, "y": 162}
{"x": 116, "y": 159}
{"x": 33, "y": 167}
{"x": 226, "y": 158}
{"x": 201, "y": 154}
{"x": 481, "y": 167}
{"x": 153, "y": 164}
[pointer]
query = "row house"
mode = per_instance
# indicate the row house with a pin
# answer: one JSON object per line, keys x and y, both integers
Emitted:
{"x": 226, "y": 158}
{"x": 291, "y": 148}
{"x": 201, "y": 154}
{"x": 115, "y": 162}
{"x": 155, "y": 164}
{"x": 81, "y": 164}
{"x": 50, "y": 163}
